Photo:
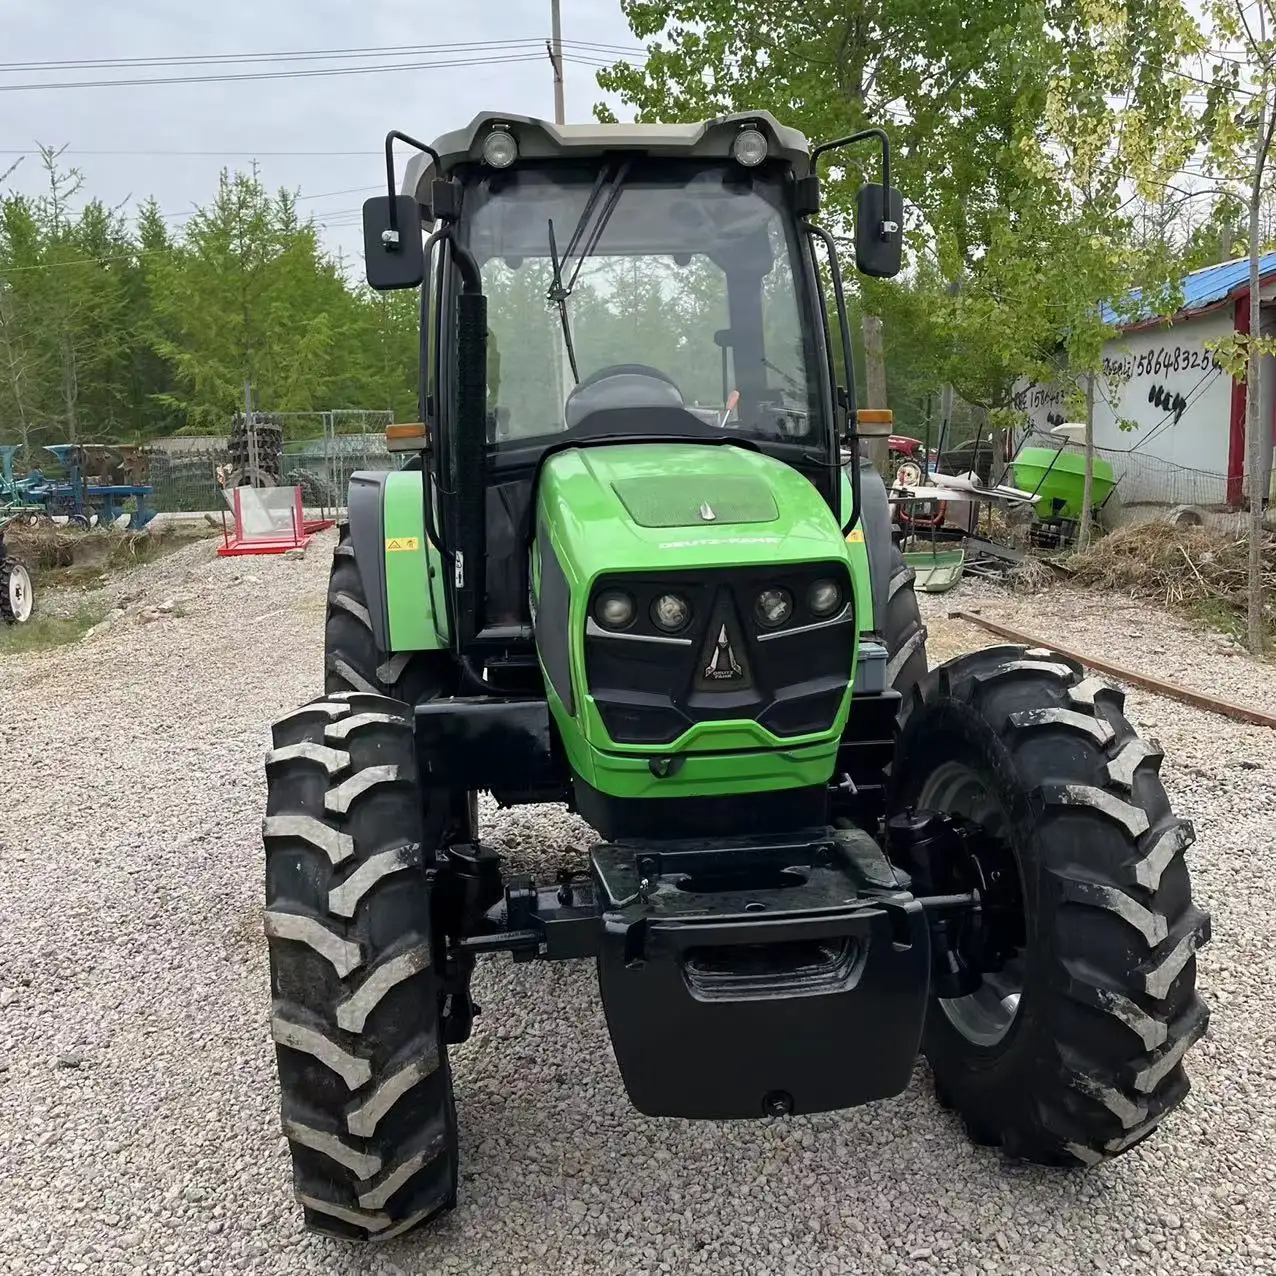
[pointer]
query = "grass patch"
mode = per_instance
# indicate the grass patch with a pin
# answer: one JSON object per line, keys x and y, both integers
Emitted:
{"x": 43, "y": 633}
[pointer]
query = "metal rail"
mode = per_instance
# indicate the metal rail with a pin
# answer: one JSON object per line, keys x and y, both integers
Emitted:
{"x": 1198, "y": 699}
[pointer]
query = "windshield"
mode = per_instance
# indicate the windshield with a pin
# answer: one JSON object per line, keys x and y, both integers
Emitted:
{"x": 685, "y": 297}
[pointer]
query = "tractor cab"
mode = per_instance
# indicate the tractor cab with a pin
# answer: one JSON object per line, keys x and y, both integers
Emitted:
{"x": 636, "y": 284}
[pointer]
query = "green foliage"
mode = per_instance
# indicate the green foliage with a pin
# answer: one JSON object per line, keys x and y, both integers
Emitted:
{"x": 118, "y": 332}
{"x": 1016, "y": 130}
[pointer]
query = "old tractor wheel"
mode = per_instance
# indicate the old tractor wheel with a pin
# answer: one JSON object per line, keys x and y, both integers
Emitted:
{"x": 903, "y": 631}
{"x": 351, "y": 659}
{"x": 247, "y": 476}
{"x": 17, "y": 597}
{"x": 261, "y": 463}
{"x": 365, "y": 1085}
{"x": 1070, "y": 1050}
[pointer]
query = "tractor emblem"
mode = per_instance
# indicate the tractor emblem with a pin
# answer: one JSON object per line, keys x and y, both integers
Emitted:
{"x": 723, "y": 666}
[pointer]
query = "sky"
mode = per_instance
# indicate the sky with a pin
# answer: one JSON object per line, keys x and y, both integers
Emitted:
{"x": 133, "y": 141}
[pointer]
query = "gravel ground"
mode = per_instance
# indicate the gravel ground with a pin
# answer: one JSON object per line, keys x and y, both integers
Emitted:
{"x": 138, "y": 1110}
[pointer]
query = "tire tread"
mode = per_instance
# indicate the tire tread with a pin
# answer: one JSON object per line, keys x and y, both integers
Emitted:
{"x": 1117, "y": 1007}
{"x": 365, "y": 1086}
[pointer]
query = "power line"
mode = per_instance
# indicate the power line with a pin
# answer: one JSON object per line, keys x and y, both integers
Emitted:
{"x": 304, "y": 55}
{"x": 336, "y": 212}
{"x": 239, "y": 77}
{"x": 73, "y": 151}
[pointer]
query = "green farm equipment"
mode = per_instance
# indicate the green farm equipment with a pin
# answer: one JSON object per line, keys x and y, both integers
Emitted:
{"x": 627, "y": 566}
{"x": 1056, "y": 478}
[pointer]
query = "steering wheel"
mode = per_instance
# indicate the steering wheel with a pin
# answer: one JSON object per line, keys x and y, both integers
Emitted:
{"x": 627, "y": 385}
{"x": 626, "y": 370}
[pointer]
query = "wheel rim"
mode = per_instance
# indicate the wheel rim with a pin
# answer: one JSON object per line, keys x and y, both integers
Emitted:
{"x": 987, "y": 1015}
{"x": 20, "y": 595}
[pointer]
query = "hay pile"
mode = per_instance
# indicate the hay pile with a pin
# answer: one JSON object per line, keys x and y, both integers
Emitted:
{"x": 1175, "y": 565}
{"x": 1032, "y": 576}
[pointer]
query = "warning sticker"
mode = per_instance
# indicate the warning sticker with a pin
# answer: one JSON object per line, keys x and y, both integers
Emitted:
{"x": 394, "y": 543}
{"x": 856, "y": 537}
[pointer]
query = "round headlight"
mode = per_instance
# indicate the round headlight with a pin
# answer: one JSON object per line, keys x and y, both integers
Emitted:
{"x": 500, "y": 149}
{"x": 749, "y": 147}
{"x": 824, "y": 597}
{"x": 614, "y": 609}
{"x": 773, "y": 607}
{"x": 670, "y": 612}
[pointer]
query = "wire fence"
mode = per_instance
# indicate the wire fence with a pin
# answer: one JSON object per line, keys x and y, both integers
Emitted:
{"x": 318, "y": 453}
{"x": 1143, "y": 479}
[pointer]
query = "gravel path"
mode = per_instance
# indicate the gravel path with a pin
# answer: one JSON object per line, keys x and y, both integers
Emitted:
{"x": 138, "y": 1110}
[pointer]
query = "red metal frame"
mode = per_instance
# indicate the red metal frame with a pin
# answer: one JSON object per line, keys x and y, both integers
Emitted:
{"x": 302, "y": 530}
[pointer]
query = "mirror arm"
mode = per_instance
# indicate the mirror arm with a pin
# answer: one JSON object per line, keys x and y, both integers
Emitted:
{"x": 887, "y": 228}
{"x": 391, "y": 237}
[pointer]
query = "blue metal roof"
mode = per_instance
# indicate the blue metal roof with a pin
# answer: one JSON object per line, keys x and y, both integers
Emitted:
{"x": 1209, "y": 285}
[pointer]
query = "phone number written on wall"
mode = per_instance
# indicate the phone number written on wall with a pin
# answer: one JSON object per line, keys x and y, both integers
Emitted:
{"x": 1159, "y": 362}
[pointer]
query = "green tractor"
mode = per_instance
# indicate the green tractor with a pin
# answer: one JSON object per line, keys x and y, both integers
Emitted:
{"x": 633, "y": 563}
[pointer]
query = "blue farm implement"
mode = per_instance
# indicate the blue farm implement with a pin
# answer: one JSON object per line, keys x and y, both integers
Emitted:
{"x": 97, "y": 481}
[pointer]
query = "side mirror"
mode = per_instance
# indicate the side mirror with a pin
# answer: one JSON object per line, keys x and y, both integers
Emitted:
{"x": 879, "y": 231}
{"x": 393, "y": 253}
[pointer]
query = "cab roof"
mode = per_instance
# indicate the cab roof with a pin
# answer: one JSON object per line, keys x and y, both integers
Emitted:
{"x": 541, "y": 139}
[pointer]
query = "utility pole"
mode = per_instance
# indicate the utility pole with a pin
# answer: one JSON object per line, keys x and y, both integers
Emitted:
{"x": 555, "y": 50}
{"x": 877, "y": 450}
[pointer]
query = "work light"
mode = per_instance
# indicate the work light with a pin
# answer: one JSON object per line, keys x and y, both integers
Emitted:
{"x": 500, "y": 149}
{"x": 749, "y": 147}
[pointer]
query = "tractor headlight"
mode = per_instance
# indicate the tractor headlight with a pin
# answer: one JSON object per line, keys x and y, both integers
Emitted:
{"x": 614, "y": 609}
{"x": 670, "y": 612}
{"x": 500, "y": 149}
{"x": 749, "y": 147}
{"x": 773, "y": 607}
{"x": 824, "y": 597}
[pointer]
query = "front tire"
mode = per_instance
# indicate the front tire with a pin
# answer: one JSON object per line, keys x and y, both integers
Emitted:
{"x": 366, "y": 1092}
{"x": 1075, "y": 1053}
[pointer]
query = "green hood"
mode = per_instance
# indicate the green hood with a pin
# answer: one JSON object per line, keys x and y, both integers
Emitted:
{"x": 673, "y": 506}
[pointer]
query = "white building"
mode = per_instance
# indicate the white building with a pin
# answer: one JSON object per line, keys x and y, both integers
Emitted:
{"x": 1168, "y": 418}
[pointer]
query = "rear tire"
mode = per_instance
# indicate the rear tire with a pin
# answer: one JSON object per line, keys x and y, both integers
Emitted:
{"x": 366, "y": 1092}
{"x": 1085, "y": 1056}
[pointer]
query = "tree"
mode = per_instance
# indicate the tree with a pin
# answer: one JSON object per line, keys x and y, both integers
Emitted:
{"x": 247, "y": 296}
{"x": 1013, "y": 128}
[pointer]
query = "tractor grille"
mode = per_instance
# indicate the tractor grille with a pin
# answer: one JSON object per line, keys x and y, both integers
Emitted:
{"x": 650, "y": 686}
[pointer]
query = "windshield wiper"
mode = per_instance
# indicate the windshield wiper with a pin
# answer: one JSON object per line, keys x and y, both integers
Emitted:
{"x": 559, "y": 294}
{"x": 560, "y": 291}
